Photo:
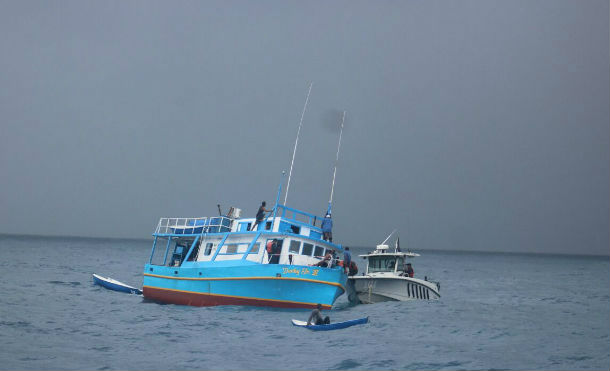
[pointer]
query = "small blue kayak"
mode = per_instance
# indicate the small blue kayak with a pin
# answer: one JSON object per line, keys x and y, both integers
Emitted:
{"x": 331, "y": 326}
{"x": 115, "y": 285}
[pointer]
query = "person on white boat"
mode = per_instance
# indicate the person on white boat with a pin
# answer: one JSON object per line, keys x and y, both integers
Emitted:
{"x": 347, "y": 259}
{"x": 353, "y": 269}
{"x": 327, "y": 228}
{"x": 260, "y": 215}
{"x": 315, "y": 317}
{"x": 409, "y": 270}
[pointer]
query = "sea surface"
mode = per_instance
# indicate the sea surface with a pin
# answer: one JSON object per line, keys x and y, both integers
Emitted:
{"x": 497, "y": 311}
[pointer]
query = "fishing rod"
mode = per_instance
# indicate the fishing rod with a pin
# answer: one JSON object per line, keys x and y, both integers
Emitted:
{"x": 332, "y": 188}
{"x": 297, "y": 142}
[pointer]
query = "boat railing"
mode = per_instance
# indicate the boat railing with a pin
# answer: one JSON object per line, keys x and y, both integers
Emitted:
{"x": 193, "y": 226}
{"x": 297, "y": 215}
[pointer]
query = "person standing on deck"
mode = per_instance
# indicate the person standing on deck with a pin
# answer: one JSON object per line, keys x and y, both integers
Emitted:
{"x": 327, "y": 228}
{"x": 347, "y": 259}
{"x": 260, "y": 215}
{"x": 276, "y": 251}
{"x": 269, "y": 247}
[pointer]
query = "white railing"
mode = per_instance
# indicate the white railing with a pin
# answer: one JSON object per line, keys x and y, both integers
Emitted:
{"x": 217, "y": 224}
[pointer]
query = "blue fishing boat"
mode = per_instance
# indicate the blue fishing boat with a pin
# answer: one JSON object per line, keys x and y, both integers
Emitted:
{"x": 273, "y": 265}
{"x": 281, "y": 261}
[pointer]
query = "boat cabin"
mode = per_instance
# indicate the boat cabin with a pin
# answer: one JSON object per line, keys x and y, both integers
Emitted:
{"x": 289, "y": 236}
{"x": 381, "y": 260}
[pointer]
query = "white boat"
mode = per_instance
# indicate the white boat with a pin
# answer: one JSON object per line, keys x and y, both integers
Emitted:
{"x": 386, "y": 279}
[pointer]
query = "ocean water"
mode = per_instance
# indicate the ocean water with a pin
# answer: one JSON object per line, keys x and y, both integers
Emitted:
{"x": 497, "y": 311}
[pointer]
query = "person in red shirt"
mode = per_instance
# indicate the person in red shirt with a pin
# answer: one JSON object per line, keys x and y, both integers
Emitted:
{"x": 409, "y": 270}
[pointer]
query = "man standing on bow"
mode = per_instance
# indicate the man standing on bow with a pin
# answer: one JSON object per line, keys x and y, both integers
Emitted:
{"x": 327, "y": 228}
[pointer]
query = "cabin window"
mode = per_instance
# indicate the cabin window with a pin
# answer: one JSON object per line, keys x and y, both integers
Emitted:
{"x": 231, "y": 248}
{"x": 400, "y": 263}
{"x": 255, "y": 248}
{"x": 295, "y": 229}
{"x": 195, "y": 252}
{"x": 307, "y": 249}
{"x": 319, "y": 251}
{"x": 268, "y": 226}
{"x": 208, "y": 248}
{"x": 381, "y": 264}
{"x": 294, "y": 248}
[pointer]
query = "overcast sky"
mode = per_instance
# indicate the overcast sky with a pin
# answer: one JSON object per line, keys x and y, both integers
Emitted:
{"x": 471, "y": 125}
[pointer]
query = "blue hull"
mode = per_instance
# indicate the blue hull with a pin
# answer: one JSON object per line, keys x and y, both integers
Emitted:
{"x": 335, "y": 326}
{"x": 270, "y": 285}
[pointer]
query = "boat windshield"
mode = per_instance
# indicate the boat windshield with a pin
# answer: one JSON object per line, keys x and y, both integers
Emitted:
{"x": 383, "y": 263}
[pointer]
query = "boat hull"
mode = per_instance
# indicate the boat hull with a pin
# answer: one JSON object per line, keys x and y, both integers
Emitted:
{"x": 267, "y": 285}
{"x": 331, "y": 326}
{"x": 375, "y": 289}
{"x": 111, "y": 284}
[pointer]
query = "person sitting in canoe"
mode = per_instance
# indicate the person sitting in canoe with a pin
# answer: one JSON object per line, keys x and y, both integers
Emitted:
{"x": 315, "y": 318}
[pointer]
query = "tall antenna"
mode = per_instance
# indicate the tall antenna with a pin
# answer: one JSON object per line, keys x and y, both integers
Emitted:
{"x": 332, "y": 188}
{"x": 279, "y": 191}
{"x": 388, "y": 237}
{"x": 296, "y": 143}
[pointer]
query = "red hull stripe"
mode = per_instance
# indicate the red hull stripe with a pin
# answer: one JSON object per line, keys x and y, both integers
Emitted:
{"x": 245, "y": 278}
{"x": 204, "y": 299}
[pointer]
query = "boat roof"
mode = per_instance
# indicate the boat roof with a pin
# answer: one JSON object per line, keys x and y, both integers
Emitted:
{"x": 382, "y": 250}
{"x": 399, "y": 253}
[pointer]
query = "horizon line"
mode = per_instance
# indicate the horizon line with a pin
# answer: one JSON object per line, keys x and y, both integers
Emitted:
{"x": 2, "y": 234}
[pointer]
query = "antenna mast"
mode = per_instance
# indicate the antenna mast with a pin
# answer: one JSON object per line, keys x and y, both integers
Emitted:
{"x": 388, "y": 237}
{"x": 296, "y": 143}
{"x": 332, "y": 188}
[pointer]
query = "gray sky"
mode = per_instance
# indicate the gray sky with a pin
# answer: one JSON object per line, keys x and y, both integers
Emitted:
{"x": 471, "y": 125}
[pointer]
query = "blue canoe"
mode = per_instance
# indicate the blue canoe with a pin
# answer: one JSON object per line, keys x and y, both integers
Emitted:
{"x": 115, "y": 285}
{"x": 331, "y": 326}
